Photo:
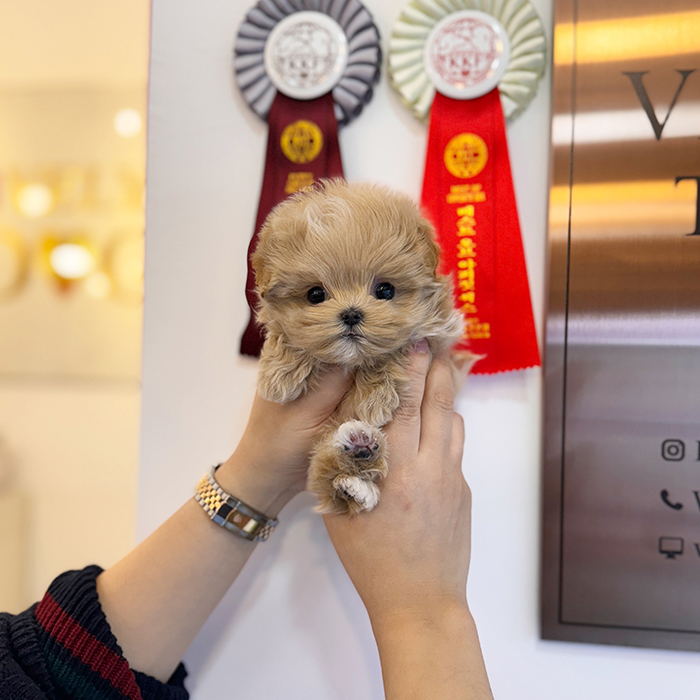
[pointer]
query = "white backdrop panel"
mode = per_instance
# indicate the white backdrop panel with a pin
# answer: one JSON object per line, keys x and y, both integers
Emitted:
{"x": 292, "y": 625}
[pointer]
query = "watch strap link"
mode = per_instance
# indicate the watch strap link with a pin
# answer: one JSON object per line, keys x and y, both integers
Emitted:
{"x": 231, "y": 513}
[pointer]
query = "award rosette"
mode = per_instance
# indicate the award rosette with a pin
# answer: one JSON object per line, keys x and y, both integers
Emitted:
{"x": 468, "y": 67}
{"x": 306, "y": 67}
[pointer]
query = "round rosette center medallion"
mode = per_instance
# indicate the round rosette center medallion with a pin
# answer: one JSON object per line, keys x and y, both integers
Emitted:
{"x": 466, "y": 54}
{"x": 306, "y": 55}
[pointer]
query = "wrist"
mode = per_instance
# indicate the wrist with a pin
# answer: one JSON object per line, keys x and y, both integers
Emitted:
{"x": 440, "y": 616}
{"x": 255, "y": 487}
{"x": 431, "y": 651}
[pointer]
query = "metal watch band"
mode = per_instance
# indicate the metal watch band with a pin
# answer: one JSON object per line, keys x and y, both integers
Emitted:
{"x": 232, "y": 514}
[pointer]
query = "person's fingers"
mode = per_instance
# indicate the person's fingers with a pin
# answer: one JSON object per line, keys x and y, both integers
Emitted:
{"x": 324, "y": 394}
{"x": 457, "y": 440}
{"x": 438, "y": 407}
{"x": 403, "y": 432}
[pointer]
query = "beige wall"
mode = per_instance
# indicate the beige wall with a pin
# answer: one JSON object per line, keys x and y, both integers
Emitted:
{"x": 69, "y": 362}
{"x": 64, "y": 137}
{"x": 71, "y": 501}
{"x": 73, "y": 42}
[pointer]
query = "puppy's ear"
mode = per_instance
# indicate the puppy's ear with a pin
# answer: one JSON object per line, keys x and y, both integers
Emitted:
{"x": 263, "y": 275}
{"x": 432, "y": 250}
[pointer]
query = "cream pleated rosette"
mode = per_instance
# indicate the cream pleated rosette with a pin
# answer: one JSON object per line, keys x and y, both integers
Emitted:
{"x": 470, "y": 65}
{"x": 413, "y": 30}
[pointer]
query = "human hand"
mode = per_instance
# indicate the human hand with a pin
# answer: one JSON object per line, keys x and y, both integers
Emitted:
{"x": 270, "y": 463}
{"x": 410, "y": 555}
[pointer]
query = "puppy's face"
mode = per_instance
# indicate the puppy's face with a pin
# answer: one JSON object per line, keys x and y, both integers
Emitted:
{"x": 347, "y": 273}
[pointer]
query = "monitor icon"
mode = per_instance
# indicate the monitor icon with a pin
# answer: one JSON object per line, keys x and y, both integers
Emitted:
{"x": 672, "y": 547}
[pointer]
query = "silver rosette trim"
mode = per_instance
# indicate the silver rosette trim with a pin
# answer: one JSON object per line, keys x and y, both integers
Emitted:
{"x": 413, "y": 27}
{"x": 360, "y": 65}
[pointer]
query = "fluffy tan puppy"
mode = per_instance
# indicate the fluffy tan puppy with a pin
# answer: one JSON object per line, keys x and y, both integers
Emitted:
{"x": 346, "y": 275}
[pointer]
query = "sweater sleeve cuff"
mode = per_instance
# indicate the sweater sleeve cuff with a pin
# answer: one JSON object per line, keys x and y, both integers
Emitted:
{"x": 81, "y": 652}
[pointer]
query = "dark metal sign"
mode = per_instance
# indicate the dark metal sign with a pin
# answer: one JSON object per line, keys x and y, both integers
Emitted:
{"x": 622, "y": 428}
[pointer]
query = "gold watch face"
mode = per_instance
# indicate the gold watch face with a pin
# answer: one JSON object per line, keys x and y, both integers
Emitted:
{"x": 244, "y": 522}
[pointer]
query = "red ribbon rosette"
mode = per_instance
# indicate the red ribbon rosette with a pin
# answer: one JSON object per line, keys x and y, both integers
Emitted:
{"x": 464, "y": 67}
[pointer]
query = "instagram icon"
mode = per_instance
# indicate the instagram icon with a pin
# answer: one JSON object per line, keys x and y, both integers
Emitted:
{"x": 673, "y": 450}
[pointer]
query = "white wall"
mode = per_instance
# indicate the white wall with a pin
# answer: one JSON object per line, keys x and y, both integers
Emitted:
{"x": 292, "y": 626}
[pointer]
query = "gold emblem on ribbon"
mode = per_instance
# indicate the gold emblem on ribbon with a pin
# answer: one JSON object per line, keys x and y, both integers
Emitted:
{"x": 298, "y": 181}
{"x": 466, "y": 155}
{"x": 301, "y": 141}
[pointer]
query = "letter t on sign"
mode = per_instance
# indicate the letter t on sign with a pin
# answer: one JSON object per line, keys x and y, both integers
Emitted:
{"x": 697, "y": 201}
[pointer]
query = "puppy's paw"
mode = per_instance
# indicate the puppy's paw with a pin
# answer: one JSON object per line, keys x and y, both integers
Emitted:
{"x": 284, "y": 373}
{"x": 363, "y": 492}
{"x": 282, "y": 385}
{"x": 358, "y": 440}
{"x": 347, "y": 467}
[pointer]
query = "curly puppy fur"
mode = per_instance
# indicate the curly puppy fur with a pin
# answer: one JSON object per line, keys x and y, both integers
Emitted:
{"x": 346, "y": 240}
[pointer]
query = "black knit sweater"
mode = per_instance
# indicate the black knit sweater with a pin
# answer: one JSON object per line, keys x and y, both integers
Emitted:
{"x": 63, "y": 649}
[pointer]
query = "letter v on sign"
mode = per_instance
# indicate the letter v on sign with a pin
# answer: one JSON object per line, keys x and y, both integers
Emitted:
{"x": 636, "y": 78}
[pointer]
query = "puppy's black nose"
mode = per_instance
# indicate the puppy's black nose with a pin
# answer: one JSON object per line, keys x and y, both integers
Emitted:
{"x": 351, "y": 317}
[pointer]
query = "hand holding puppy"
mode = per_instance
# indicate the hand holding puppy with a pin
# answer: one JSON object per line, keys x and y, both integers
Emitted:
{"x": 412, "y": 553}
{"x": 409, "y": 558}
{"x": 271, "y": 461}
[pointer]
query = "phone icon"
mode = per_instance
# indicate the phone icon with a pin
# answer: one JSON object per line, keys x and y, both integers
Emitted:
{"x": 669, "y": 502}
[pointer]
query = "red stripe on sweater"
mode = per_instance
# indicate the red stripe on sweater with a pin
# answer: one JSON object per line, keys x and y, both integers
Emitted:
{"x": 86, "y": 647}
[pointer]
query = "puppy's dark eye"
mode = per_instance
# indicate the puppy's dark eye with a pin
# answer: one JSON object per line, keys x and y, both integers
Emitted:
{"x": 316, "y": 295}
{"x": 384, "y": 290}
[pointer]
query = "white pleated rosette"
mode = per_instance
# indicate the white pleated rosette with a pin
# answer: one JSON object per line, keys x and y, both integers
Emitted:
{"x": 360, "y": 71}
{"x": 411, "y": 31}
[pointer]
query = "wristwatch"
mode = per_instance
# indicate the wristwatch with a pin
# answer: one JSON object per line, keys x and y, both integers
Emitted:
{"x": 231, "y": 513}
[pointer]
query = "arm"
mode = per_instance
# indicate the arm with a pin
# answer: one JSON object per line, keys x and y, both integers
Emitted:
{"x": 158, "y": 597}
{"x": 409, "y": 558}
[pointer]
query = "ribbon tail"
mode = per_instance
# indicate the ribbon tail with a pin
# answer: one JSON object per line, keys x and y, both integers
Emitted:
{"x": 469, "y": 197}
{"x": 294, "y": 160}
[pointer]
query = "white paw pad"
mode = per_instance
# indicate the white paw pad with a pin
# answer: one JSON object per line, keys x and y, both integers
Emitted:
{"x": 363, "y": 492}
{"x": 357, "y": 439}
